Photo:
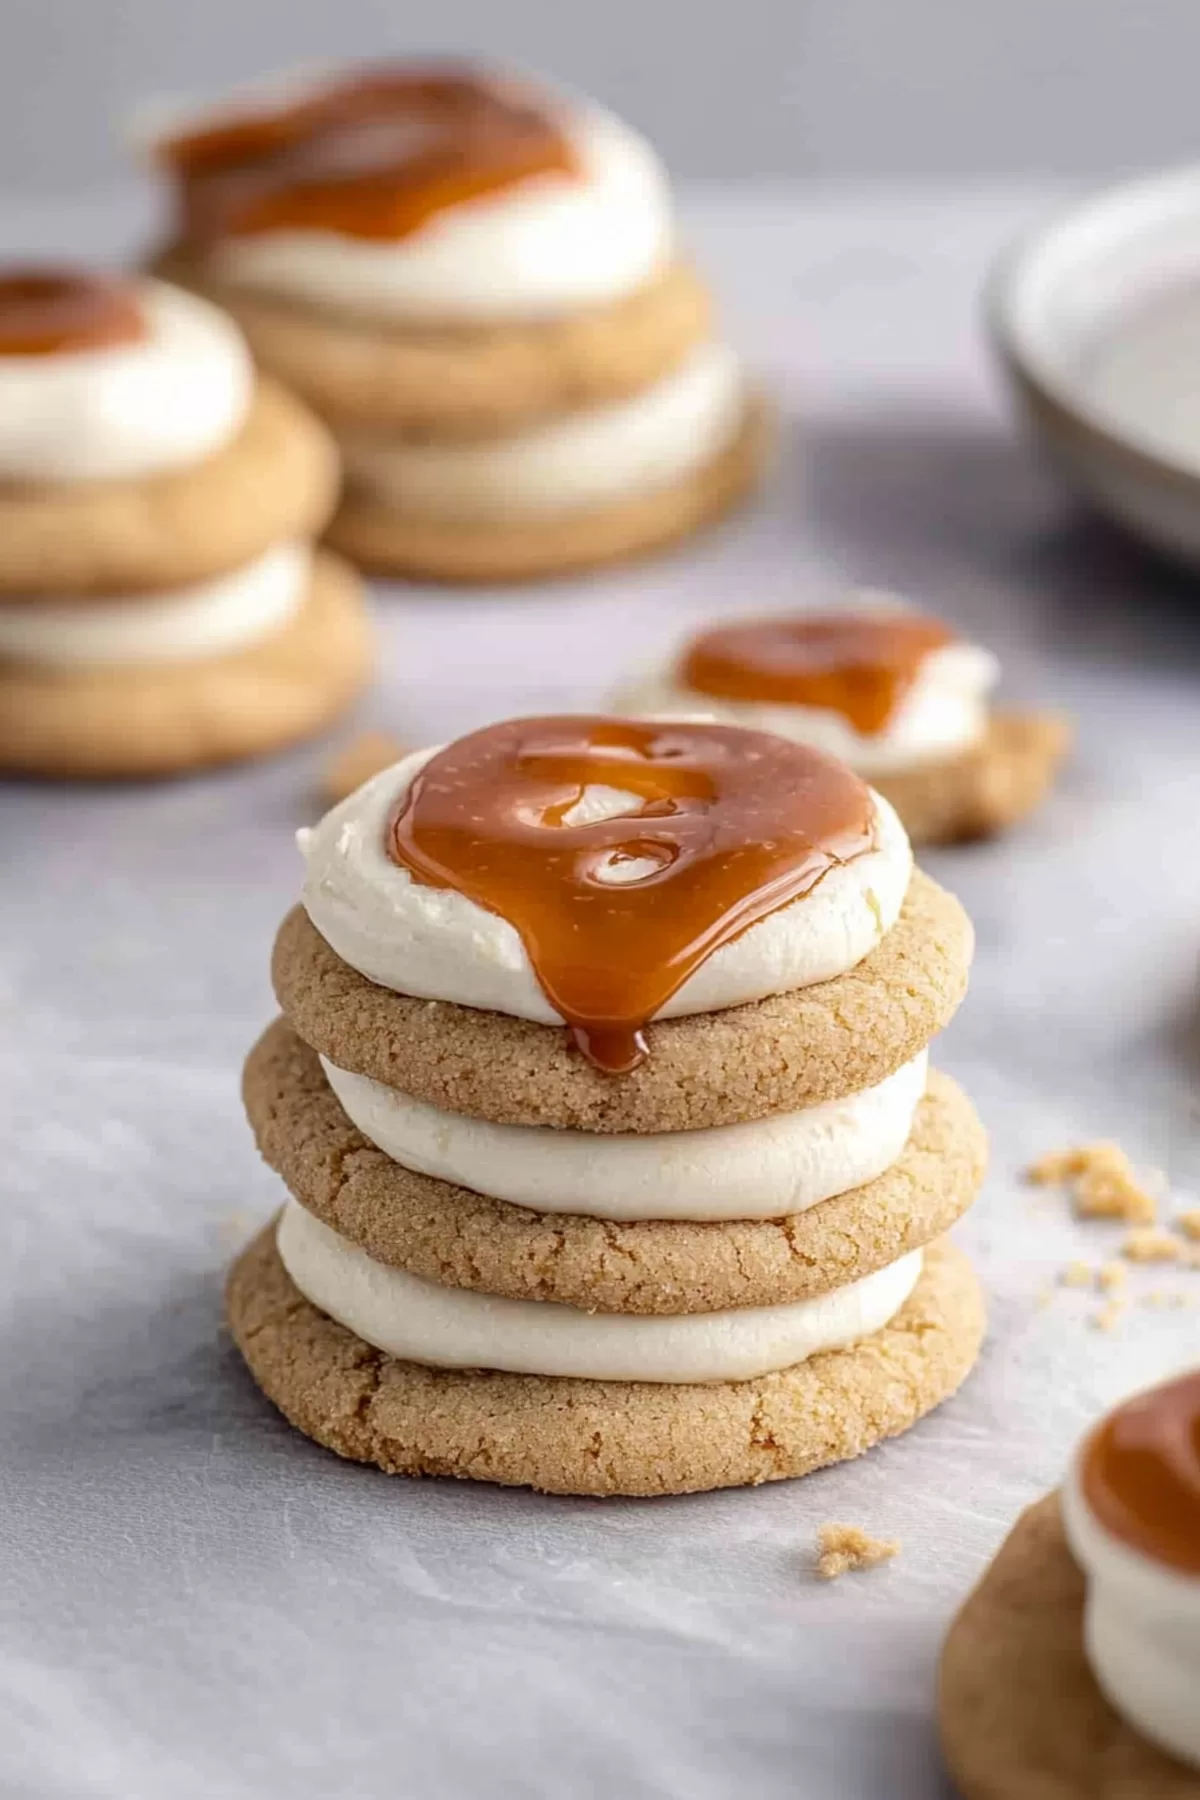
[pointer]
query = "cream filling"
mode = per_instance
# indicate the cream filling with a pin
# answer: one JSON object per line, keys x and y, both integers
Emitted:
{"x": 944, "y": 713}
{"x": 577, "y": 463}
{"x": 1141, "y": 1631}
{"x": 439, "y": 945}
{"x": 453, "y": 1328}
{"x": 127, "y": 410}
{"x": 550, "y": 245}
{"x": 767, "y": 1169}
{"x": 175, "y": 625}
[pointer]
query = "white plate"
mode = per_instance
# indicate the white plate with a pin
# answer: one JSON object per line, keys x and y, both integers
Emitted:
{"x": 1077, "y": 284}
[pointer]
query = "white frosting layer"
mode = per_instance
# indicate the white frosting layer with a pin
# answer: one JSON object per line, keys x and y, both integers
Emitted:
{"x": 1141, "y": 1630}
{"x": 548, "y": 245}
{"x": 127, "y": 410}
{"x": 764, "y": 1170}
{"x": 453, "y": 1328}
{"x": 944, "y": 712}
{"x": 439, "y": 945}
{"x": 577, "y": 462}
{"x": 176, "y": 625}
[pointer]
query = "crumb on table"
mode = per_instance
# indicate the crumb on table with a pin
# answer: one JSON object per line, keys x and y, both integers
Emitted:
{"x": 1077, "y": 1275}
{"x": 845, "y": 1547}
{"x": 1150, "y": 1244}
{"x": 1108, "y": 1315}
{"x": 356, "y": 761}
{"x": 1111, "y": 1276}
{"x": 1102, "y": 1182}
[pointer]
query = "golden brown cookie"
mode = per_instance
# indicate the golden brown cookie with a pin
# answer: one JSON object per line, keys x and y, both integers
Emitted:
{"x": 458, "y": 551}
{"x": 723, "y": 1068}
{"x": 462, "y": 1239}
{"x": 602, "y": 1437}
{"x": 466, "y": 382}
{"x": 276, "y": 481}
{"x": 985, "y": 790}
{"x": 94, "y": 724}
{"x": 1021, "y": 1715}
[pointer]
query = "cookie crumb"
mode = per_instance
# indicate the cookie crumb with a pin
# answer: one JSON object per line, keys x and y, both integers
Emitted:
{"x": 845, "y": 1547}
{"x": 1107, "y": 1317}
{"x": 1102, "y": 1182}
{"x": 1189, "y": 1223}
{"x": 1111, "y": 1276}
{"x": 356, "y": 761}
{"x": 1076, "y": 1275}
{"x": 1150, "y": 1244}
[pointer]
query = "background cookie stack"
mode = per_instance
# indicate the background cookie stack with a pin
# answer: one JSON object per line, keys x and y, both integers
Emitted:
{"x": 160, "y": 604}
{"x": 723, "y": 1266}
{"x": 478, "y": 287}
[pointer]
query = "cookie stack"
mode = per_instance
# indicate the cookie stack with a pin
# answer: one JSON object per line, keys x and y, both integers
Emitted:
{"x": 478, "y": 286}
{"x": 602, "y": 1095}
{"x": 161, "y": 607}
{"x": 897, "y": 694}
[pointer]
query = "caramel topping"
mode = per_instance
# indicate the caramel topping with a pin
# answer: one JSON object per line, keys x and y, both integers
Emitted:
{"x": 1141, "y": 1473}
{"x": 43, "y": 311}
{"x": 724, "y": 826}
{"x": 858, "y": 664}
{"x": 371, "y": 155}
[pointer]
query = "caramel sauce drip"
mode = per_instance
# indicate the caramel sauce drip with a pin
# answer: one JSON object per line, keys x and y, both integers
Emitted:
{"x": 730, "y": 825}
{"x": 1141, "y": 1473}
{"x": 43, "y": 311}
{"x": 858, "y": 664}
{"x": 373, "y": 155}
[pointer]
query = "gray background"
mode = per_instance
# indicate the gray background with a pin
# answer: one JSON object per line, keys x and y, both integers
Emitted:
{"x": 766, "y": 87}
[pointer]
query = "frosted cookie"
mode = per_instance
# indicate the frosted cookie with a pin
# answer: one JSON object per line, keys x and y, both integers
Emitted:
{"x": 602, "y": 889}
{"x": 149, "y": 718}
{"x": 160, "y": 607}
{"x": 1073, "y": 1670}
{"x": 896, "y": 694}
{"x": 581, "y": 1436}
{"x": 857, "y": 1199}
{"x": 477, "y": 284}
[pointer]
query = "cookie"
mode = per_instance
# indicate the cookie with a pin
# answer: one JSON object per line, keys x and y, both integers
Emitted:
{"x": 463, "y": 381}
{"x": 601, "y": 1437}
{"x": 276, "y": 481}
{"x": 985, "y": 790}
{"x": 462, "y": 1239}
{"x": 1021, "y": 1715}
{"x": 724, "y": 1068}
{"x": 162, "y": 720}
{"x": 457, "y": 551}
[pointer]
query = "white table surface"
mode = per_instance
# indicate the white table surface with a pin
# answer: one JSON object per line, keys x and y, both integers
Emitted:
{"x": 196, "y": 1603}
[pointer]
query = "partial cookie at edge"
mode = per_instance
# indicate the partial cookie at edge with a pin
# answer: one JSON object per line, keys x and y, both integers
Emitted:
{"x": 464, "y": 382}
{"x": 776, "y": 1055}
{"x": 985, "y": 790}
{"x": 451, "y": 1235}
{"x": 1020, "y": 1712}
{"x": 593, "y": 1437}
{"x": 457, "y": 551}
{"x": 275, "y": 482}
{"x": 170, "y": 718}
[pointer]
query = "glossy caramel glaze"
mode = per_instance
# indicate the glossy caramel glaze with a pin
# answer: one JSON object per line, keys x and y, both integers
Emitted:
{"x": 373, "y": 154}
{"x": 615, "y": 915}
{"x": 44, "y": 311}
{"x": 1141, "y": 1473}
{"x": 860, "y": 665}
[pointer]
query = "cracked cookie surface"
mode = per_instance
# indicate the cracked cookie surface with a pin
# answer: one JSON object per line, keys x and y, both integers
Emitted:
{"x": 451, "y": 1235}
{"x": 595, "y": 1437}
